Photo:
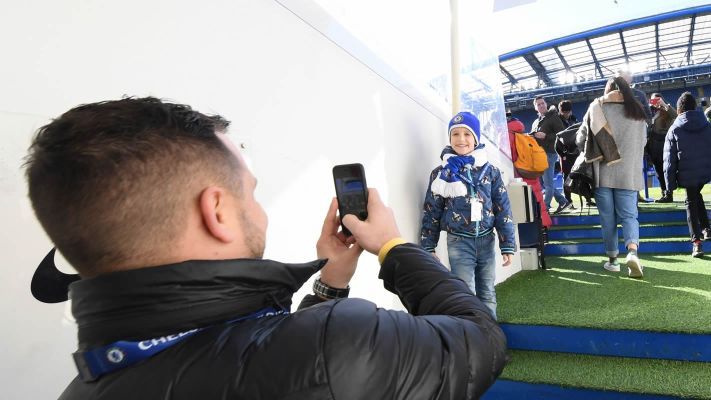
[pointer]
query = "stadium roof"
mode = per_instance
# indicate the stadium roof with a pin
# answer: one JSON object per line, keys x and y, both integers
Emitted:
{"x": 677, "y": 41}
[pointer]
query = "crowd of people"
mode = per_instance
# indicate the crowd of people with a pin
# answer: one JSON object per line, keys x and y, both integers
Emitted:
{"x": 625, "y": 126}
{"x": 466, "y": 196}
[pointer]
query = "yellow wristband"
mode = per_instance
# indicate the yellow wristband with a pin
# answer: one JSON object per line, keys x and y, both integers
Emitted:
{"x": 388, "y": 246}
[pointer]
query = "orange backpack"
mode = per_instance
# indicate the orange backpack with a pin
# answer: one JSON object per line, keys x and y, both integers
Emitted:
{"x": 532, "y": 160}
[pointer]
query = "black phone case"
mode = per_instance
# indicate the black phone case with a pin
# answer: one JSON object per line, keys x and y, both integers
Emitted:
{"x": 351, "y": 201}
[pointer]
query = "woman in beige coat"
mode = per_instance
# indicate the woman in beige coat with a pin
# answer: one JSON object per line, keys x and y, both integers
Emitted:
{"x": 617, "y": 120}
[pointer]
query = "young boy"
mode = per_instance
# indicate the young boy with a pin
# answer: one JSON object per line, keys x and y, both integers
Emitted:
{"x": 467, "y": 198}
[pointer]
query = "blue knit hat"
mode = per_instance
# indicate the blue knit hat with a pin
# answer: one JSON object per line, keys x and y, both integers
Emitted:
{"x": 467, "y": 120}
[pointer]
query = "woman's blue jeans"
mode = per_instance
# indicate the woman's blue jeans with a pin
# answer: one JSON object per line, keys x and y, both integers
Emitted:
{"x": 473, "y": 260}
{"x": 617, "y": 206}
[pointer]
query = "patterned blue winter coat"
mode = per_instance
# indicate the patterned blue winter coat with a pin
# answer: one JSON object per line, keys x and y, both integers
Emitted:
{"x": 453, "y": 214}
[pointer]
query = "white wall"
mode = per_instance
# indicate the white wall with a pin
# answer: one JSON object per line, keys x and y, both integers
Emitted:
{"x": 298, "y": 101}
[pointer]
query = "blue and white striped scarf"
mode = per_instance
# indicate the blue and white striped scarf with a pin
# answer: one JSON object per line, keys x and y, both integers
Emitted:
{"x": 449, "y": 183}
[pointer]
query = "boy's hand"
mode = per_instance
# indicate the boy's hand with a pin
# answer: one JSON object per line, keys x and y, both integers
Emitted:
{"x": 380, "y": 227}
{"x": 540, "y": 135}
{"x": 507, "y": 259}
{"x": 342, "y": 252}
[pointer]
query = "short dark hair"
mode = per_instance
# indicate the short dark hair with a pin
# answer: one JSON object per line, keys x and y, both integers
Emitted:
{"x": 110, "y": 181}
{"x": 686, "y": 102}
{"x": 535, "y": 99}
{"x": 565, "y": 105}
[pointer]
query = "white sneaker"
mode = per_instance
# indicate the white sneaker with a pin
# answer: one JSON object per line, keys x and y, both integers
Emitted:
{"x": 634, "y": 267}
{"x": 611, "y": 267}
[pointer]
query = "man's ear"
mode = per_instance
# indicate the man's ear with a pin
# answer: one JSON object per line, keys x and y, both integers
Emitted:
{"x": 217, "y": 213}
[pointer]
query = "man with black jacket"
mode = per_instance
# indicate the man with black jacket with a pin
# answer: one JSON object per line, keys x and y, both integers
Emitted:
{"x": 544, "y": 129}
{"x": 664, "y": 117}
{"x": 154, "y": 207}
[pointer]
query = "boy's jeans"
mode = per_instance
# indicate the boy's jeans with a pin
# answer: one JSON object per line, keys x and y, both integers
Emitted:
{"x": 617, "y": 206}
{"x": 473, "y": 261}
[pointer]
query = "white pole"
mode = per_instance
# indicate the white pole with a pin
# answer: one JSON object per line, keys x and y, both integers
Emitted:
{"x": 456, "y": 68}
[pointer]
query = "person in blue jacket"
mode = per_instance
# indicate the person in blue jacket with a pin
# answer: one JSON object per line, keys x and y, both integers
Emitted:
{"x": 687, "y": 165}
{"x": 467, "y": 198}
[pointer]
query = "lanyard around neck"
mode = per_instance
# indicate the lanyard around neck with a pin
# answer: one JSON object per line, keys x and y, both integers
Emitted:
{"x": 472, "y": 184}
{"x": 94, "y": 363}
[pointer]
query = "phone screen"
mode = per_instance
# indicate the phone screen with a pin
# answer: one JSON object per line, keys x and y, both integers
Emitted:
{"x": 351, "y": 191}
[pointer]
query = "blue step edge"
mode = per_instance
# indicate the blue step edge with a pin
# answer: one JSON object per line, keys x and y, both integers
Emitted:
{"x": 598, "y": 248}
{"x": 644, "y": 231}
{"x": 644, "y": 217}
{"x": 504, "y": 389}
{"x": 609, "y": 343}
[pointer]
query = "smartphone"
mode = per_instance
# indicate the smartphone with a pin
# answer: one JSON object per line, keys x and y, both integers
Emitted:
{"x": 351, "y": 192}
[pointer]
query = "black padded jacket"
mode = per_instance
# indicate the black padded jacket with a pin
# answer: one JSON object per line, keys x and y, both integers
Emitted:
{"x": 550, "y": 124}
{"x": 447, "y": 347}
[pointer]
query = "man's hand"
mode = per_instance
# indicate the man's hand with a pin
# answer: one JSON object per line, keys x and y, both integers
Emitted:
{"x": 380, "y": 227}
{"x": 342, "y": 252}
{"x": 507, "y": 259}
{"x": 539, "y": 135}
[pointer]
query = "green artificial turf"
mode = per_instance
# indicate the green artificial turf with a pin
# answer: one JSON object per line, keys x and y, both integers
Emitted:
{"x": 679, "y": 193}
{"x": 674, "y": 296}
{"x": 676, "y": 378}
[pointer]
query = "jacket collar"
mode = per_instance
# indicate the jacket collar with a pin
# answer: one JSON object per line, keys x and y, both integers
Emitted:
{"x": 614, "y": 96}
{"x": 151, "y": 302}
{"x": 549, "y": 113}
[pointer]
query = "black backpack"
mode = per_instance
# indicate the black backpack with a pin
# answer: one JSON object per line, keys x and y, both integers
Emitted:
{"x": 581, "y": 179}
{"x": 565, "y": 139}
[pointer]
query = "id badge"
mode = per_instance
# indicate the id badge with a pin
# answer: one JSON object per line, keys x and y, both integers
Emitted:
{"x": 477, "y": 209}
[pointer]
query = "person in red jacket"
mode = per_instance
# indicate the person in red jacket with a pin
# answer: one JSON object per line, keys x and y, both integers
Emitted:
{"x": 516, "y": 126}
